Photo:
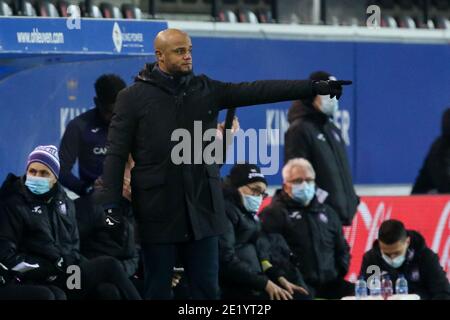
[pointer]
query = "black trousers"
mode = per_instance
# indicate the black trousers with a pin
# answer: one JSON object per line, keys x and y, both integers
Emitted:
{"x": 333, "y": 290}
{"x": 102, "y": 278}
{"x": 246, "y": 294}
{"x": 201, "y": 263}
{"x": 31, "y": 292}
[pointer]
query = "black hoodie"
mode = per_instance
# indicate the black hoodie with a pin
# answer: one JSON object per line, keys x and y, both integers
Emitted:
{"x": 313, "y": 136}
{"x": 421, "y": 269}
{"x": 37, "y": 229}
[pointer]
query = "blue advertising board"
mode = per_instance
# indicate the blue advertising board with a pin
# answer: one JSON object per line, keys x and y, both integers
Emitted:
{"x": 388, "y": 117}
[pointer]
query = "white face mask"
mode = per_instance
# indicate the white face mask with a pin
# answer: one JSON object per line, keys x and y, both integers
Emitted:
{"x": 395, "y": 262}
{"x": 329, "y": 106}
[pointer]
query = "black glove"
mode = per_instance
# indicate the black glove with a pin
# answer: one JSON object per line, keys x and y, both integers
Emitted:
{"x": 330, "y": 87}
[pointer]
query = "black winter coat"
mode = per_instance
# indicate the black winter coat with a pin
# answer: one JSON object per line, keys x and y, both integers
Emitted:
{"x": 240, "y": 247}
{"x": 35, "y": 230}
{"x": 176, "y": 202}
{"x": 96, "y": 239}
{"x": 314, "y": 233}
{"x": 313, "y": 136}
{"x": 421, "y": 268}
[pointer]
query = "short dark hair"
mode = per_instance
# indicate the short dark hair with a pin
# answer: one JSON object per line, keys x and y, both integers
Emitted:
{"x": 107, "y": 86}
{"x": 392, "y": 231}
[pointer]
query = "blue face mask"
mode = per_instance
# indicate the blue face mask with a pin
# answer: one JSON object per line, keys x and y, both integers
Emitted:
{"x": 329, "y": 105}
{"x": 38, "y": 185}
{"x": 395, "y": 262}
{"x": 252, "y": 203}
{"x": 304, "y": 192}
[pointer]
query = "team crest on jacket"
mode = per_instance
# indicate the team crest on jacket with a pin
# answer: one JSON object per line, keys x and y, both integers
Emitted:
{"x": 37, "y": 210}
{"x": 415, "y": 275}
{"x": 295, "y": 215}
{"x": 62, "y": 208}
{"x": 323, "y": 217}
{"x": 321, "y": 137}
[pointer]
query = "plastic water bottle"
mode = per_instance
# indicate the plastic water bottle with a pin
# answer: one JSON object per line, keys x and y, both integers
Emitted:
{"x": 401, "y": 285}
{"x": 386, "y": 287}
{"x": 360, "y": 288}
{"x": 375, "y": 286}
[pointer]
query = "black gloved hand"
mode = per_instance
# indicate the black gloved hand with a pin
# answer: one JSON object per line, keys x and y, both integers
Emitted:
{"x": 330, "y": 87}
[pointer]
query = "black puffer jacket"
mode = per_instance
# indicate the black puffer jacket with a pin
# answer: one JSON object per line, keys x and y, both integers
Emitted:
{"x": 421, "y": 268}
{"x": 37, "y": 229}
{"x": 314, "y": 233}
{"x": 313, "y": 136}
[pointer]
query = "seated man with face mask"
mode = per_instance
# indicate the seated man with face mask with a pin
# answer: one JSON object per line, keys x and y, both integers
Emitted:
{"x": 311, "y": 229}
{"x": 404, "y": 252}
{"x": 39, "y": 235}
{"x": 253, "y": 265}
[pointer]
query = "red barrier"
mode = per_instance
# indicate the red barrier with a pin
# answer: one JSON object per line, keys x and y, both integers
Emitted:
{"x": 429, "y": 215}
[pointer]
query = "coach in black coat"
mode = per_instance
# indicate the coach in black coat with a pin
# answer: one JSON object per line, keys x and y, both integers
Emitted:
{"x": 179, "y": 203}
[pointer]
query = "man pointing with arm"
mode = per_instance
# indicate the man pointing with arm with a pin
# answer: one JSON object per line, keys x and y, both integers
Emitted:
{"x": 179, "y": 207}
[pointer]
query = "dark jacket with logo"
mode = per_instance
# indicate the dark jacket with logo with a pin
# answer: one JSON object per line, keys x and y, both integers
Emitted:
{"x": 174, "y": 202}
{"x": 313, "y": 136}
{"x": 244, "y": 245}
{"x": 421, "y": 268}
{"x": 85, "y": 140}
{"x": 97, "y": 240}
{"x": 314, "y": 233}
{"x": 36, "y": 229}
